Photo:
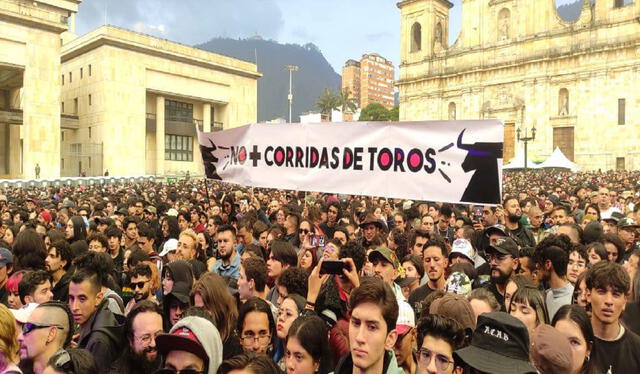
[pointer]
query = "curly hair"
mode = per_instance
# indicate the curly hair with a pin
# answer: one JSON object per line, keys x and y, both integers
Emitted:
{"x": 294, "y": 279}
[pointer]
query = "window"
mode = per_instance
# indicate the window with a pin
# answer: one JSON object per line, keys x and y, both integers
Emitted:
{"x": 620, "y": 164}
{"x": 75, "y": 106}
{"x": 63, "y": 79}
{"x": 70, "y": 77}
{"x": 178, "y": 112}
{"x": 178, "y": 148}
{"x": 62, "y": 163}
{"x": 62, "y": 135}
{"x": 89, "y": 69}
{"x": 621, "y": 111}
{"x": 621, "y": 3}
{"x": 62, "y": 109}
{"x": 89, "y": 99}
{"x": 81, "y": 73}
{"x": 89, "y": 132}
{"x": 416, "y": 37}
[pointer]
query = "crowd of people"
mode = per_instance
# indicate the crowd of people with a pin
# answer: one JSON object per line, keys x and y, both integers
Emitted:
{"x": 203, "y": 277}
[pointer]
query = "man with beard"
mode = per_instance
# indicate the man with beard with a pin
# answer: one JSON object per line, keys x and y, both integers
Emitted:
{"x": 435, "y": 259}
{"x": 143, "y": 325}
{"x": 522, "y": 236}
{"x": 141, "y": 285}
{"x": 332, "y": 208}
{"x": 503, "y": 259}
{"x": 57, "y": 263}
{"x": 229, "y": 262}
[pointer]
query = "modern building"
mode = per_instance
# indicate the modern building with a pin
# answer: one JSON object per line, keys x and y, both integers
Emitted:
{"x": 30, "y": 38}
{"x": 136, "y": 101}
{"x": 370, "y": 80}
{"x": 520, "y": 62}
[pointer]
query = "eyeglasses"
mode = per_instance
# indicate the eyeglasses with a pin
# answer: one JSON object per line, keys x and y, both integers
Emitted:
{"x": 303, "y": 231}
{"x": 498, "y": 258}
{"x": 425, "y": 356}
{"x": 62, "y": 361}
{"x": 30, "y": 326}
{"x": 147, "y": 338}
{"x": 174, "y": 371}
{"x": 248, "y": 340}
{"x": 137, "y": 285}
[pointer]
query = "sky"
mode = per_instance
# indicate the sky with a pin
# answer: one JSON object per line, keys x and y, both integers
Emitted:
{"x": 342, "y": 29}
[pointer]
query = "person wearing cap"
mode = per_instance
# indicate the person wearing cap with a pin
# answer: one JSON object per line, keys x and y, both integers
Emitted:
{"x": 437, "y": 338}
{"x": 462, "y": 251}
{"x": 550, "y": 351}
{"x": 403, "y": 349}
{"x": 193, "y": 343}
{"x": 610, "y": 222}
{"x": 371, "y": 227}
{"x": 48, "y": 329}
{"x": 175, "y": 303}
{"x": 514, "y": 229}
{"x": 6, "y": 267}
{"x": 499, "y": 345}
{"x": 372, "y": 330}
{"x": 503, "y": 260}
{"x": 627, "y": 230}
{"x": 616, "y": 349}
{"x": 386, "y": 266}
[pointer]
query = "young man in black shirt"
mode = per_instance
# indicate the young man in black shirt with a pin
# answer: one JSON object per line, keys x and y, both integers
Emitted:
{"x": 616, "y": 350}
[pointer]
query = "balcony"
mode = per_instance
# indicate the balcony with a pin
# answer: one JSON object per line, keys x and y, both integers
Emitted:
{"x": 179, "y": 125}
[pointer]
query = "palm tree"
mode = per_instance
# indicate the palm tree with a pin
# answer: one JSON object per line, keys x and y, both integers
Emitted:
{"x": 327, "y": 102}
{"x": 347, "y": 103}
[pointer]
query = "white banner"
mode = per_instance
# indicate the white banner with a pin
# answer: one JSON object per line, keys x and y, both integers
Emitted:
{"x": 447, "y": 161}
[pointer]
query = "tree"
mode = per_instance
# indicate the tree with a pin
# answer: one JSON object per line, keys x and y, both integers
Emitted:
{"x": 394, "y": 114}
{"x": 327, "y": 102}
{"x": 374, "y": 112}
{"x": 346, "y": 103}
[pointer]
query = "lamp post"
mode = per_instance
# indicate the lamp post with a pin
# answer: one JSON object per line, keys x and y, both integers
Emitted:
{"x": 291, "y": 69}
{"x": 526, "y": 139}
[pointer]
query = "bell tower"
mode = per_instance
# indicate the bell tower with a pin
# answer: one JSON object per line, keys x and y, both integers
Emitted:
{"x": 425, "y": 28}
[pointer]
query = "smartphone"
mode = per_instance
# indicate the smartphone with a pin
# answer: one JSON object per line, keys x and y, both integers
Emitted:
{"x": 477, "y": 214}
{"x": 332, "y": 267}
{"x": 317, "y": 241}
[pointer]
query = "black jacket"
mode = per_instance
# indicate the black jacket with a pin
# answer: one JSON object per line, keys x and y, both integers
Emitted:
{"x": 103, "y": 336}
{"x": 61, "y": 289}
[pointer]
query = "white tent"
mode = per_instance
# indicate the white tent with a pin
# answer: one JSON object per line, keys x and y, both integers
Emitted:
{"x": 518, "y": 162}
{"x": 559, "y": 160}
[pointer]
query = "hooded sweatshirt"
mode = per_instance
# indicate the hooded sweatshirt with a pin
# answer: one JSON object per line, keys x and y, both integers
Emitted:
{"x": 103, "y": 335}
{"x": 208, "y": 336}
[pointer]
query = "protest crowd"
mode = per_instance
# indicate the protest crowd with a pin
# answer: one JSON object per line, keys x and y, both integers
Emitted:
{"x": 204, "y": 277}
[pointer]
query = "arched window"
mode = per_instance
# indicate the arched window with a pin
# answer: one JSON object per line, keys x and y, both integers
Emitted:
{"x": 416, "y": 37}
{"x": 563, "y": 102}
{"x": 504, "y": 24}
{"x": 452, "y": 111}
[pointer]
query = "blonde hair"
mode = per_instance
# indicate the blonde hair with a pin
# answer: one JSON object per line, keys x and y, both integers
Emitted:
{"x": 8, "y": 344}
{"x": 190, "y": 233}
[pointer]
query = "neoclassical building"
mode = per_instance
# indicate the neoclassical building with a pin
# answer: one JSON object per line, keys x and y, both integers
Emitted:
{"x": 518, "y": 61}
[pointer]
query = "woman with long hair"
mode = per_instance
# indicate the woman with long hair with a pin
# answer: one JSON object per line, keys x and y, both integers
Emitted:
{"x": 76, "y": 235}
{"x": 8, "y": 344}
{"x": 256, "y": 326}
{"x": 575, "y": 324}
{"x": 307, "y": 347}
{"x": 28, "y": 251}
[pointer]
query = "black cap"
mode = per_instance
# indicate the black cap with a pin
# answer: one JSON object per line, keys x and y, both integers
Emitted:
{"x": 497, "y": 229}
{"x": 505, "y": 246}
{"x": 181, "y": 291}
{"x": 500, "y": 345}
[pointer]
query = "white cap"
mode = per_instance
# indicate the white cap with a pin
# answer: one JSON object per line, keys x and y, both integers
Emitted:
{"x": 172, "y": 212}
{"x": 407, "y": 205}
{"x": 406, "y": 317}
{"x": 463, "y": 247}
{"x": 169, "y": 246}
{"x": 22, "y": 315}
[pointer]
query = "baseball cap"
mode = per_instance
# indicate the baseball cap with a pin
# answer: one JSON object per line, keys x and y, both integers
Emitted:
{"x": 496, "y": 229}
{"x": 69, "y": 204}
{"x": 151, "y": 209}
{"x": 456, "y": 307}
{"x": 5, "y": 257}
{"x": 182, "y": 338}
{"x": 550, "y": 353}
{"x": 388, "y": 254}
{"x": 22, "y": 315}
{"x": 462, "y": 247}
{"x": 615, "y": 217}
{"x": 406, "y": 318}
{"x": 505, "y": 246}
{"x": 172, "y": 212}
{"x": 458, "y": 283}
{"x": 169, "y": 246}
{"x": 46, "y": 216}
{"x": 500, "y": 345}
{"x": 627, "y": 222}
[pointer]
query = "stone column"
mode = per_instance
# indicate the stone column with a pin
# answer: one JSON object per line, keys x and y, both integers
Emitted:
{"x": 160, "y": 135}
{"x": 15, "y": 152}
{"x": 206, "y": 117}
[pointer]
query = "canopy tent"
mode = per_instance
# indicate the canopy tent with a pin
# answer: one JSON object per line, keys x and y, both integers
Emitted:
{"x": 559, "y": 160}
{"x": 518, "y": 162}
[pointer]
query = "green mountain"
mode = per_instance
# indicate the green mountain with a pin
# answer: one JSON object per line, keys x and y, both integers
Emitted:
{"x": 314, "y": 74}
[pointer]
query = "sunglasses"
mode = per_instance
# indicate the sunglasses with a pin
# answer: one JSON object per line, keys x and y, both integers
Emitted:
{"x": 137, "y": 285}
{"x": 30, "y": 326}
{"x": 303, "y": 231}
{"x": 174, "y": 371}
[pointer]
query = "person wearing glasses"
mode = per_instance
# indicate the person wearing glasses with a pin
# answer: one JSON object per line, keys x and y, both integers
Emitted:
{"x": 8, "y": 343}
{"x": 193, "y": 346}
{"x": 47, "y": 330}
{"x": 256, "y": 326}
{"x": 143, "y": 325}
{"x": 144, "y": 283}
{"x": 71, "y": 361}
{"x": 437, "y": 338}
{"x": 502, "y": 256}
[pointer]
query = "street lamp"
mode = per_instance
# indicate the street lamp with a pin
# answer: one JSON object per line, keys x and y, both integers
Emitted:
{"x": 526, "y": 139}
{"x": 291, "y": 69}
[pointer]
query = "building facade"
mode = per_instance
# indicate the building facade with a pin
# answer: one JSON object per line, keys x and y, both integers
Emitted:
{"x": 370, "y": 80}
{"x": 518, "y": 61}
{"x": 133, "y": 103}
{"x": 30, "y": 34}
